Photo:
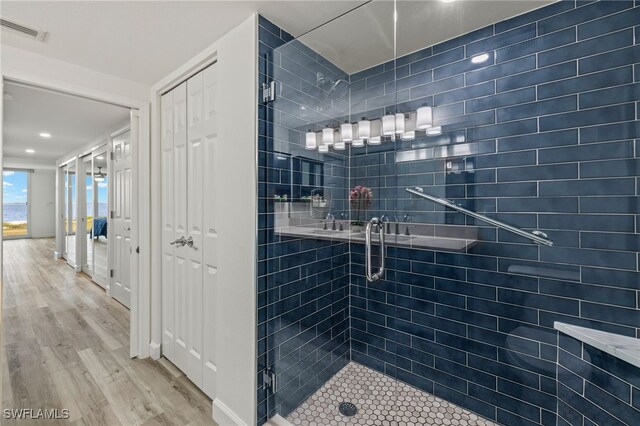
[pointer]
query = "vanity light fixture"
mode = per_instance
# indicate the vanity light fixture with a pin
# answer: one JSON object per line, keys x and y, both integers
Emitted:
{"x": 310, "y": 140}
{"x": 403, "y": 126}
{"x": 478, "y": 59}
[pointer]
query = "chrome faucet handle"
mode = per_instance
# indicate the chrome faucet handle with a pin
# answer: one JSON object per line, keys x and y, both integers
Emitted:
{"x": 407, "y": 219}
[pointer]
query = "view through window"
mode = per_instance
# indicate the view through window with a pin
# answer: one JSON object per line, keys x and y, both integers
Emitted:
{"x": 15, "y": 210}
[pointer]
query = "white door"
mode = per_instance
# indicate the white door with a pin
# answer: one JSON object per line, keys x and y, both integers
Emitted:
{"x": 120, "y": 231}
{"x": 209, "y": 228}
{"x": 194, "y": 227}
{"x": 189, "y": 134}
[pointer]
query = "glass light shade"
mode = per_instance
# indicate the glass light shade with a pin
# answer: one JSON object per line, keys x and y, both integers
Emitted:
{"x": 339, "y": 146}
{"x": 409, "y": 136}
{"x": 399, "y": 124}
{"x": 323, "y": 148}
{"x": 424, "y": 118}
{"x": 357, "y": 143}
{"x": 327, "y": 136}
{"x": 410, "y": 122}
{"x": 376, "y": 130}
{"x": 434, "y": 131}
{"x": 364, "y": 129}
{"x": 346, "y": 132}
{"x": 310, "y": 140}
{"x": 388, "y": 125}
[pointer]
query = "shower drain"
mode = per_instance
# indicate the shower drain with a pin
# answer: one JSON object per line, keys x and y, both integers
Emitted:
{"x": 348, "y": 409}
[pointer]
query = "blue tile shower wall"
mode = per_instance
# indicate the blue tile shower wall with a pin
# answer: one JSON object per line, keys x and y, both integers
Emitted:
{"x": 549, "y": 127}
{"x": 303, "y": 284}
{"x": 595, "y": 388}
{"x": 549, "y": 134}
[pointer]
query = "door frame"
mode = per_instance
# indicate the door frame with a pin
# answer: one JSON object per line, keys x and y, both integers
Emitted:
{"x": 139, "y": 323}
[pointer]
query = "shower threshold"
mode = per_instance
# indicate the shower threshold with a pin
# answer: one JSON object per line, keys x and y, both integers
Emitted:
{"x": 379, "y": 400}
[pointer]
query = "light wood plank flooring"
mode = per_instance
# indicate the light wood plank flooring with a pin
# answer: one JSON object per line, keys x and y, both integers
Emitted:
{"x": 66, "y": 345}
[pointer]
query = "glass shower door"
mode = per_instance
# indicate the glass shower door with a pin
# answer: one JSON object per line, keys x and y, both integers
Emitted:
{"x": 312, "y": 215}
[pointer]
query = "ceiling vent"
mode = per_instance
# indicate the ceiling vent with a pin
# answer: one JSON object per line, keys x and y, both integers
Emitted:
{"x": 26, "y": 31}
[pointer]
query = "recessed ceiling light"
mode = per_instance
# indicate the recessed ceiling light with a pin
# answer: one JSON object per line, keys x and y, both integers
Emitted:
{"x": 447, "y": 1}
{"x": 478, "y": 59}
{"x": 29, "y": 151}
{"x": 45, "y": 135}
{"x": 100, "y": 157}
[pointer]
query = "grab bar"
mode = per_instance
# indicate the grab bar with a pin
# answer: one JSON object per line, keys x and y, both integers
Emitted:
{"x": 372, "y": 277}
{"x": 536, "y": 236}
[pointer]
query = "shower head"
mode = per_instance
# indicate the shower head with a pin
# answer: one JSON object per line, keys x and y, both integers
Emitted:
{"x": 339, "y": 88}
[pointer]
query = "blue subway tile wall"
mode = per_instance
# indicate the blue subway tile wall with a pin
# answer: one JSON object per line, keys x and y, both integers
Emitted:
{"x": 548, "y": 134}
{"x": 560, "y": 90}
{"x": 595, "y": 387}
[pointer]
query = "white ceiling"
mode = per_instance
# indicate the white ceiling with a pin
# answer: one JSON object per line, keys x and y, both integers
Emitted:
{"x": 71, "y": 121}
{"x": 143, "y": 41}
{"x": 365, "y": 37}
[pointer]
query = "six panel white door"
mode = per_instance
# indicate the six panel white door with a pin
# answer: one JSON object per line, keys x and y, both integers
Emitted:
{"x": 189, "y": 134}
{"x": 120, "y": 286}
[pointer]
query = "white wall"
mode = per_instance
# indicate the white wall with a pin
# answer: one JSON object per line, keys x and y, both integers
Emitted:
{"x": 43, "y": 197}
{"x": 234, "y": 326}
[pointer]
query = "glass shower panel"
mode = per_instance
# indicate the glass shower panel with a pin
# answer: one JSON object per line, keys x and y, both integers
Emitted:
{"x": 308, "y": 222}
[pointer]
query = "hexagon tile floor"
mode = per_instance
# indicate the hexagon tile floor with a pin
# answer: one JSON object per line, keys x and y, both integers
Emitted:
{"x": 380, "y": 400}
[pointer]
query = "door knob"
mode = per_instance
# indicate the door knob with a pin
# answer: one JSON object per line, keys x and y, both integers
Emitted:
{"x": 180, "y": 241}
{"x": 189, "y": 242}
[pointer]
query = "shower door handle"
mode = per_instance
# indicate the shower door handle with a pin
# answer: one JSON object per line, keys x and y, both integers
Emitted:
{"x": 372, "y": 277}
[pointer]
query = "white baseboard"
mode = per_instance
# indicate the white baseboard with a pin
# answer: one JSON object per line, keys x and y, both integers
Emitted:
{"x": 154, "y": 350}
{"x": 224, "y": 416}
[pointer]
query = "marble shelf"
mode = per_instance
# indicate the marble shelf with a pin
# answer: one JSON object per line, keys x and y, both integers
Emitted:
{"x": 623, "y": 347}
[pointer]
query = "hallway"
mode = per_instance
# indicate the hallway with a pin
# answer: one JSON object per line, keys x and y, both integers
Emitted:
{"x": 67, "y": 347}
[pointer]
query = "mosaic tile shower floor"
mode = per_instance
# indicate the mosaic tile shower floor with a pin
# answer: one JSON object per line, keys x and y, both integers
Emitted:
{"x": 380, "y": 400}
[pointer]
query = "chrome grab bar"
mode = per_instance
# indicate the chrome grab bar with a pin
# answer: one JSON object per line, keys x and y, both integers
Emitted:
{"x": 372, "y": 277}
{"x": 535, "y": 236}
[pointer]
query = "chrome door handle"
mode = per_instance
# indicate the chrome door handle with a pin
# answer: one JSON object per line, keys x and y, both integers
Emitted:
{"x": 372, "y": 277}
{"x": 179, "y": 242}
{"x": 189, "y": 242}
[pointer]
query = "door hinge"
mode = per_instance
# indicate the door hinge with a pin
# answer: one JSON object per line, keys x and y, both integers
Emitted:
{"x": 111, "y": 273}
{"x": 269, "y": 92}
{"x": 269, "y": 381}
{"x": 138, "y": 250}
{"x": 111, "y": 155}
{"x": 112, "y": 214}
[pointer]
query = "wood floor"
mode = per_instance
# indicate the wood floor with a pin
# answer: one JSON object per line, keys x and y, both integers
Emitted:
{"x": 66, "y": 346}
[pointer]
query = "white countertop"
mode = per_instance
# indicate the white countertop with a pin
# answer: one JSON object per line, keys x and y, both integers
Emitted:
{"x": 415, "y": 241}
{"x": 623, "y": 347}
